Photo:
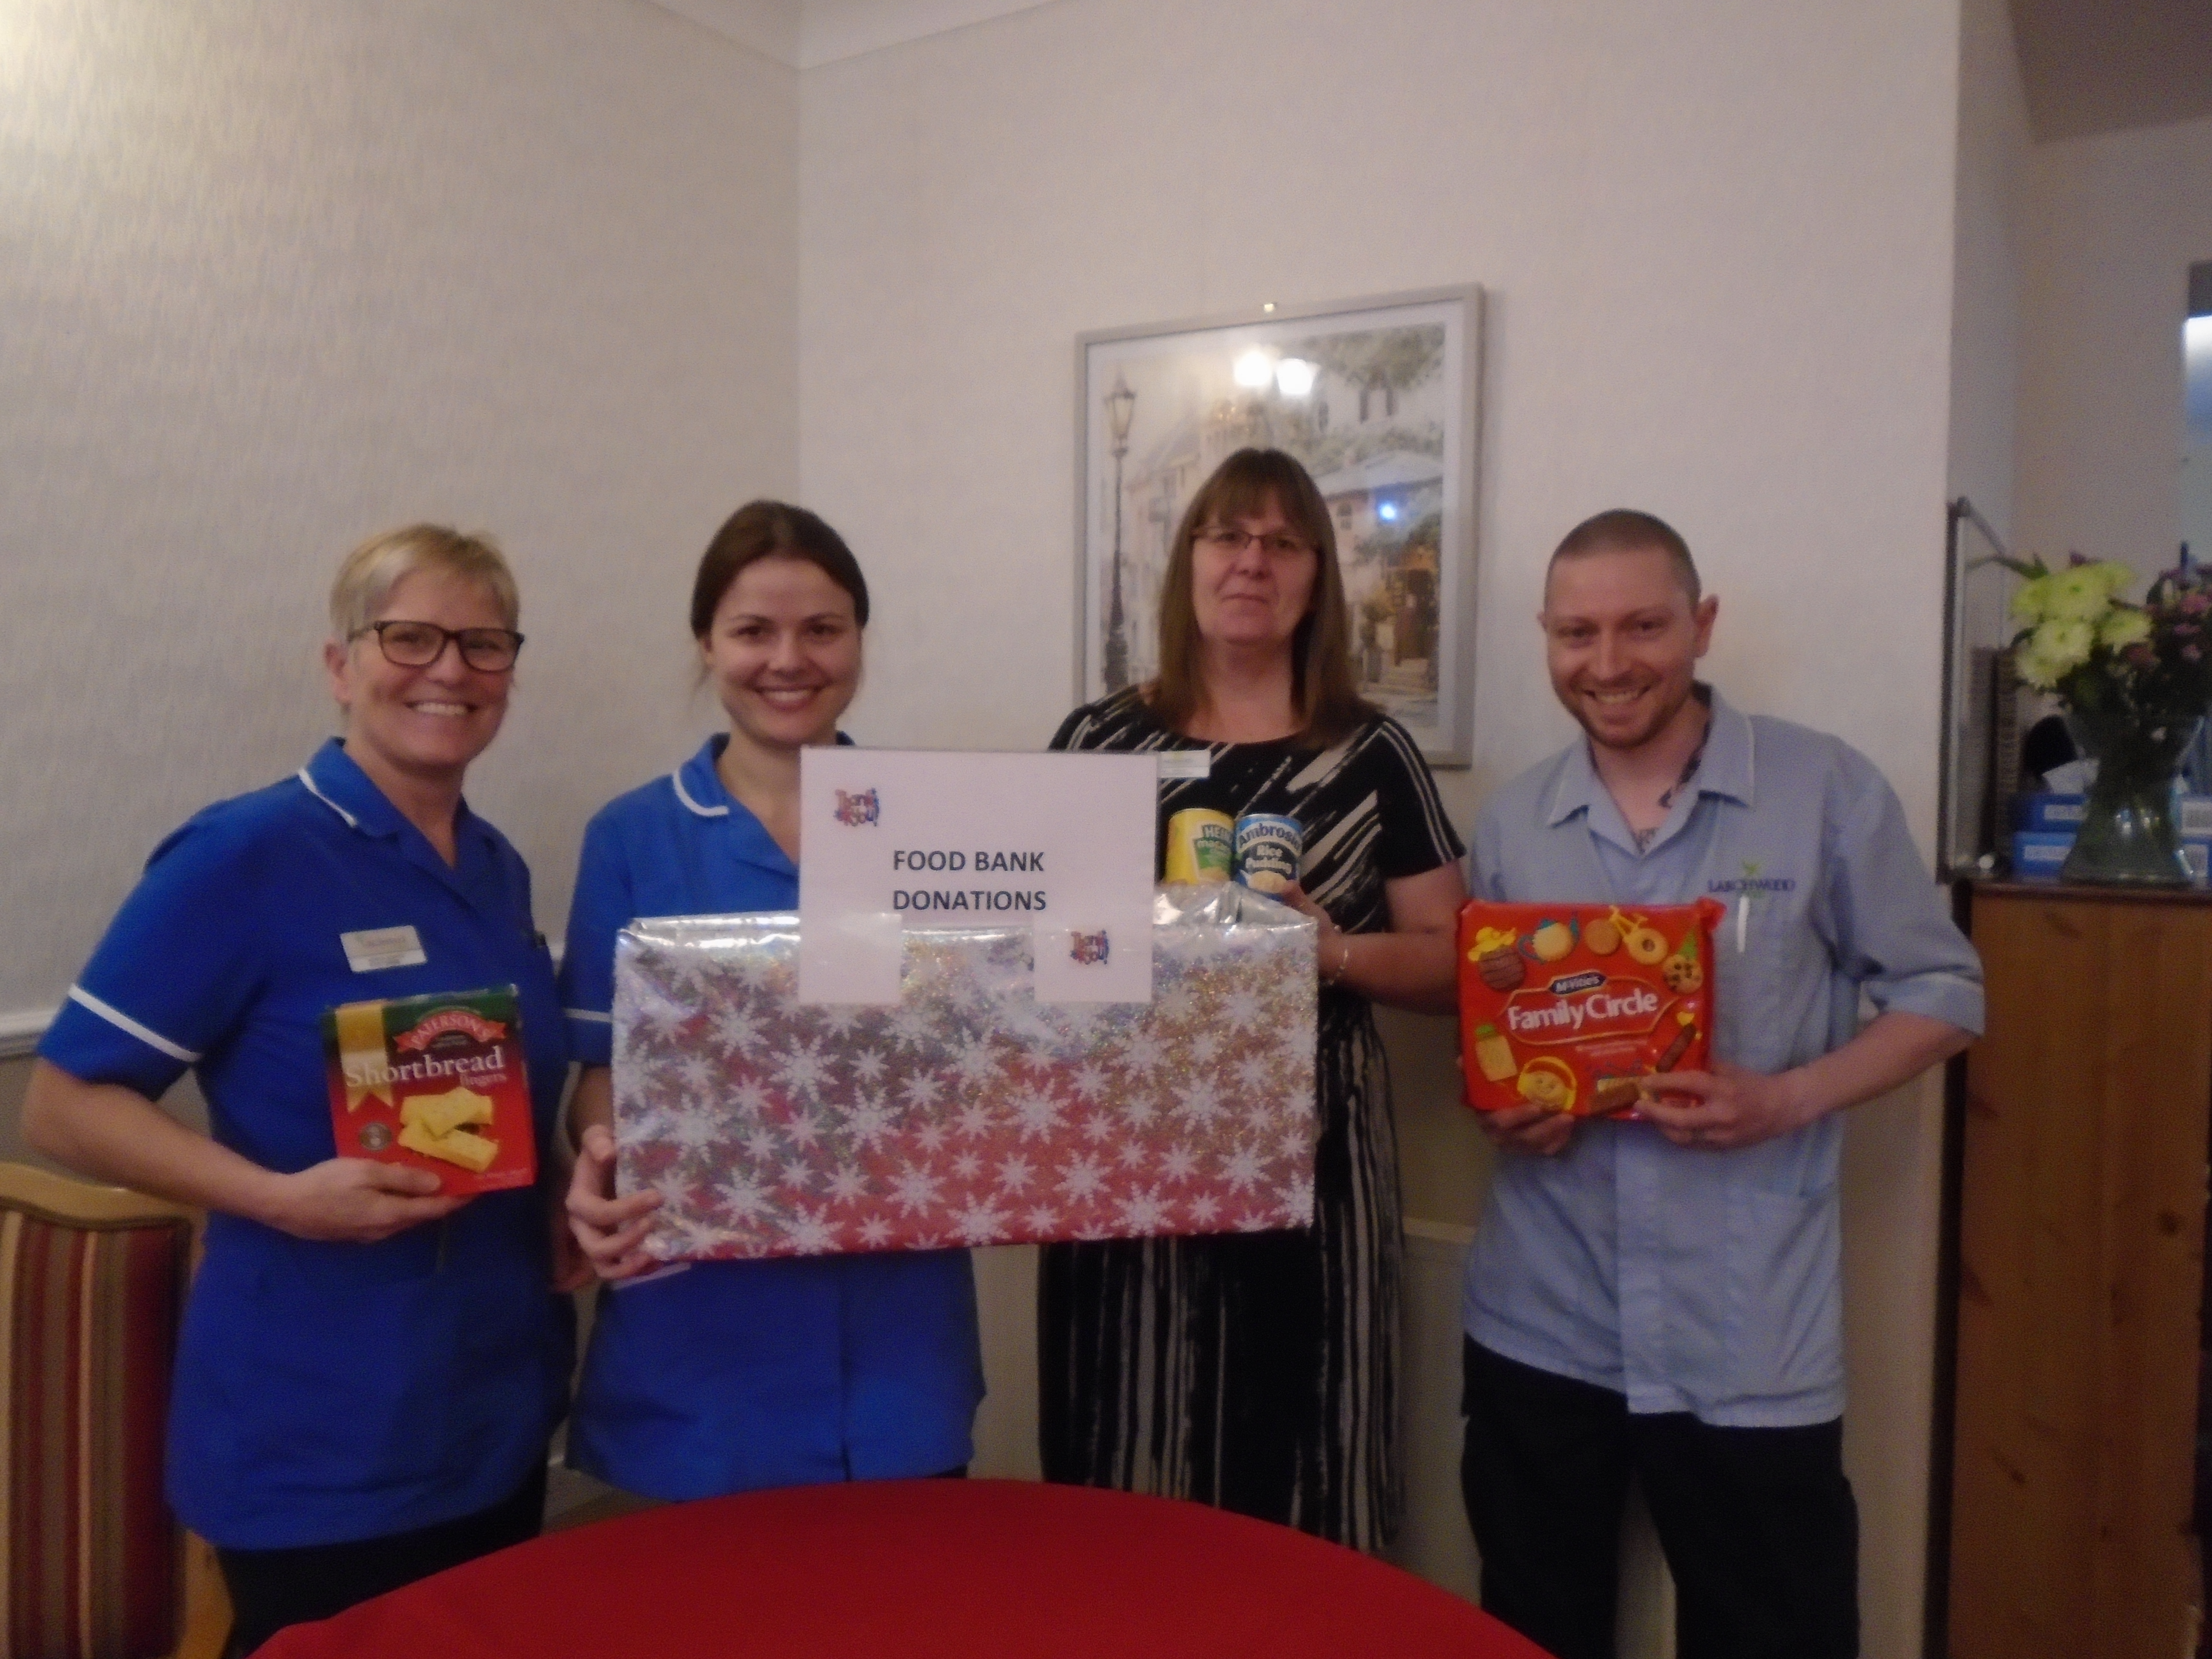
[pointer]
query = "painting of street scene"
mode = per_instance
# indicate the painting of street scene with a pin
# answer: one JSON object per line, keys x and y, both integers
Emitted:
{"x": 1377, "y": 403}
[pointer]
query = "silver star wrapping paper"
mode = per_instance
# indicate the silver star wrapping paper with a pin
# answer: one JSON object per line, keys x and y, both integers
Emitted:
{"x": 967, "y": 1113}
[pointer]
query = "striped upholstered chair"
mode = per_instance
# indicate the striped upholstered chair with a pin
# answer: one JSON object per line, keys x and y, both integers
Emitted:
{"x": 91, "y": 1282}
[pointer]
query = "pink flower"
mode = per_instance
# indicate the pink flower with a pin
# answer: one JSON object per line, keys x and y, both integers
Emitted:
{"x": 2196, "y": 604}
{"x": 2142, "y": 655}
{"x": 2192, "y": 654}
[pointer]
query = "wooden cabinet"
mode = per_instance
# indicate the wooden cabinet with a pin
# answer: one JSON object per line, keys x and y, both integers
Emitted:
{"x": 2080, "y": 1231}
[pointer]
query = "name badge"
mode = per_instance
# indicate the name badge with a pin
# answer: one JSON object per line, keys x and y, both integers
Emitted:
{"x": 375, "y": 948}
{"x": 1186, "y": 762}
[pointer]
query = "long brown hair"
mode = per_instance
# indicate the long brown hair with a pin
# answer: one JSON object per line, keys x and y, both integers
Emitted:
{"x": 772, "y": 530}
{"x": 1322, "y": 689}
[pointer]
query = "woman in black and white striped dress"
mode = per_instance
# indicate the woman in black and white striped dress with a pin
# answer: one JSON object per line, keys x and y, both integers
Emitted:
{"x": 1259, "y": 1371}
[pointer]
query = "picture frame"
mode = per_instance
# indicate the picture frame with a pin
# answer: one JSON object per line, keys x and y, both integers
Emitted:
{"x": 1380, "y": 398}
{"x": 1984, "y": 706}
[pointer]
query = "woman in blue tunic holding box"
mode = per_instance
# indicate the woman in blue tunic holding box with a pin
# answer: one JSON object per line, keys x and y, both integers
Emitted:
{"x": 370, "y": 1366}
{"x": 722, "y": 1377}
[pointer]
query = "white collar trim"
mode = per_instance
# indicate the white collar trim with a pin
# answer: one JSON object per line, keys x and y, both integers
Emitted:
{"x": 308, "y": 780}
{"x": 676, "y": 780}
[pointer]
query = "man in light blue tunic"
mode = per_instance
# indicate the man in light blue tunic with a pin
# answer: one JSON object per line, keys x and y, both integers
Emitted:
{"x": 1663, "y": 1298}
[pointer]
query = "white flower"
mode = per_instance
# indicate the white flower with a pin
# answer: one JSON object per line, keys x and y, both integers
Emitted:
{"x": 2080, "y": 593}
{"x": 2055, "y": 650}
{"x": 2123, "y": 627}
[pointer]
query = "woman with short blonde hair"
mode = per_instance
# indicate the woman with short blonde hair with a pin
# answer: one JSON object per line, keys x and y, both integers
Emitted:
{"x": 370, "y": 1365}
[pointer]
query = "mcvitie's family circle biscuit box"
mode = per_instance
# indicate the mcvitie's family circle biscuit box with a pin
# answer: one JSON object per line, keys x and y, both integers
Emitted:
{"x": 1580, "y": 1008}
{"x": 439, "y": 1082}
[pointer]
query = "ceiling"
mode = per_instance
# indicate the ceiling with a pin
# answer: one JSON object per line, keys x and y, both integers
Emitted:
{"x": 808, "y": 33}
{"x": 2102, "y": 65}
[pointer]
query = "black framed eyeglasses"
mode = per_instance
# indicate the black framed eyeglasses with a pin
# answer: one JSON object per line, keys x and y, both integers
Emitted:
{"x": 419, "y": 644}
{"x": 1230, "y": 542}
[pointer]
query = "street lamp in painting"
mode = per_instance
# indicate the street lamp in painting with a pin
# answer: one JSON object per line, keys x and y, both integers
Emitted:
{"x": 1121, "y": 404}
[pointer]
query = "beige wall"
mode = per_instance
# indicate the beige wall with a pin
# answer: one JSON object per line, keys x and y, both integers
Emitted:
{"x": 279, "y": 277}
{"x": 1989, "y": 234}
{"x": 2114, "y": 223}
{"x": 14, "y": 1073}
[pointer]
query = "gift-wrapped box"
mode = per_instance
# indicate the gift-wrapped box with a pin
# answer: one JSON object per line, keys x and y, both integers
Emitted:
{"x": 968, "y": 1112}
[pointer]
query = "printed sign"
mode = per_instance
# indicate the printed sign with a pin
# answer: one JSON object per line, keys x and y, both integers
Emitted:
{"x": 891, "y": 840}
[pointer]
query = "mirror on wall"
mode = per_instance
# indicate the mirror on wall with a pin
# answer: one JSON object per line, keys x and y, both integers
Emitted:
{"x": 2197, "y": 416}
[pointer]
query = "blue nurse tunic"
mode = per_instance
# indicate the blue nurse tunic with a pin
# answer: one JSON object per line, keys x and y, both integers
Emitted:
{"x": 727, "y": 1376}
{"x": 328, "y": 1393}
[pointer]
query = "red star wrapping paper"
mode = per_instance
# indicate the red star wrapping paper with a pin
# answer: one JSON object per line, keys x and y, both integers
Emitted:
{"x": 967, "y": 1113}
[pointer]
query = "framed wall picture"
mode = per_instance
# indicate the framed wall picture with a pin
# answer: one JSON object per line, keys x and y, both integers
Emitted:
{"x": 1378, "y": 399}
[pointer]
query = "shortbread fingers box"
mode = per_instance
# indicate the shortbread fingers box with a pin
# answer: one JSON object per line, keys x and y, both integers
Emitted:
{"x": 1577, "y": 1008}
{"x": 439, "y": 1082}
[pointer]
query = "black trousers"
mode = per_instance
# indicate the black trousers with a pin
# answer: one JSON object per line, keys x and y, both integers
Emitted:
{"x": 1759, "y": 1525}
{"x": 272, "y": 1588}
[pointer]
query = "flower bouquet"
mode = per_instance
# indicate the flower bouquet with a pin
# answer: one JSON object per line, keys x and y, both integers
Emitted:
{"x": 2136, "y": 680}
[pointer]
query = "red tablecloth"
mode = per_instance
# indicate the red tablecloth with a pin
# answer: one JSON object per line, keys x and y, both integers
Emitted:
{"x": 971, "y": 1568}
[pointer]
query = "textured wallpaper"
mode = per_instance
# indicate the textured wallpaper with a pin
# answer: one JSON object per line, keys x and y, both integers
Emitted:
{"x": 274, "y": 277}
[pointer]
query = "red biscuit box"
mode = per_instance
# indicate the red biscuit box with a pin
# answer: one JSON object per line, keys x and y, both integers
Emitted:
{"x": 1574, "y": 1006}
{"x": 439, "y": 1082}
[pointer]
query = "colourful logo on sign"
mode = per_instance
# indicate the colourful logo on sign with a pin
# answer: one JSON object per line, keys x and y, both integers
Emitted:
{"x": 856, "y": 810}
{"x": 1088, "y": 949}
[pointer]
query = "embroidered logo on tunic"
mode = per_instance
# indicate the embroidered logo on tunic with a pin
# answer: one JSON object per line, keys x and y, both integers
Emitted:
{"x": 1753, "y": 881}
{"x": 1088, "y": 949}
{"x": 856, "y": 810}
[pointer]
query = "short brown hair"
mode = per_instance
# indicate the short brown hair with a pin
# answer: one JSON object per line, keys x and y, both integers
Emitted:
{"x": 1322, "y": 688}
{"x": 371, "y": 571}
{"x": 772, "y": 530}
{"x": 1624, "y": 530}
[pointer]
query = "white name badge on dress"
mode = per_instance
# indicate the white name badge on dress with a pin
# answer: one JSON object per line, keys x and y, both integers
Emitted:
{"x": 375, "y": 948}
{"x": 1059, "y": 843}
{"x": 1186, "y": 763}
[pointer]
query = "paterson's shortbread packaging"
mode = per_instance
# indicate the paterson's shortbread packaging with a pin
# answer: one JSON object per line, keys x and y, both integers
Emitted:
{"x": 1582, "y": 1008}
{"x": 439, "y": 1082}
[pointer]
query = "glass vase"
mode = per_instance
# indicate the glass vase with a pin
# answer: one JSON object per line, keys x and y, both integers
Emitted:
{"x": 2128, "y": 836}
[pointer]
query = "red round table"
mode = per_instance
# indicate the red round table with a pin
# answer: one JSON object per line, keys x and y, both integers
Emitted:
{"x": 971, "y": 1568}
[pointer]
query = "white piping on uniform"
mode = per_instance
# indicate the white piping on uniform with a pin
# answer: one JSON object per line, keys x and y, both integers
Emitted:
{"x": 352, "y": 822}
{"x": 676, "y": 779}
{"x": 1742, "y": 919}
{"x": 123, "y": 1022}
{"x": 586, "y": 1013}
